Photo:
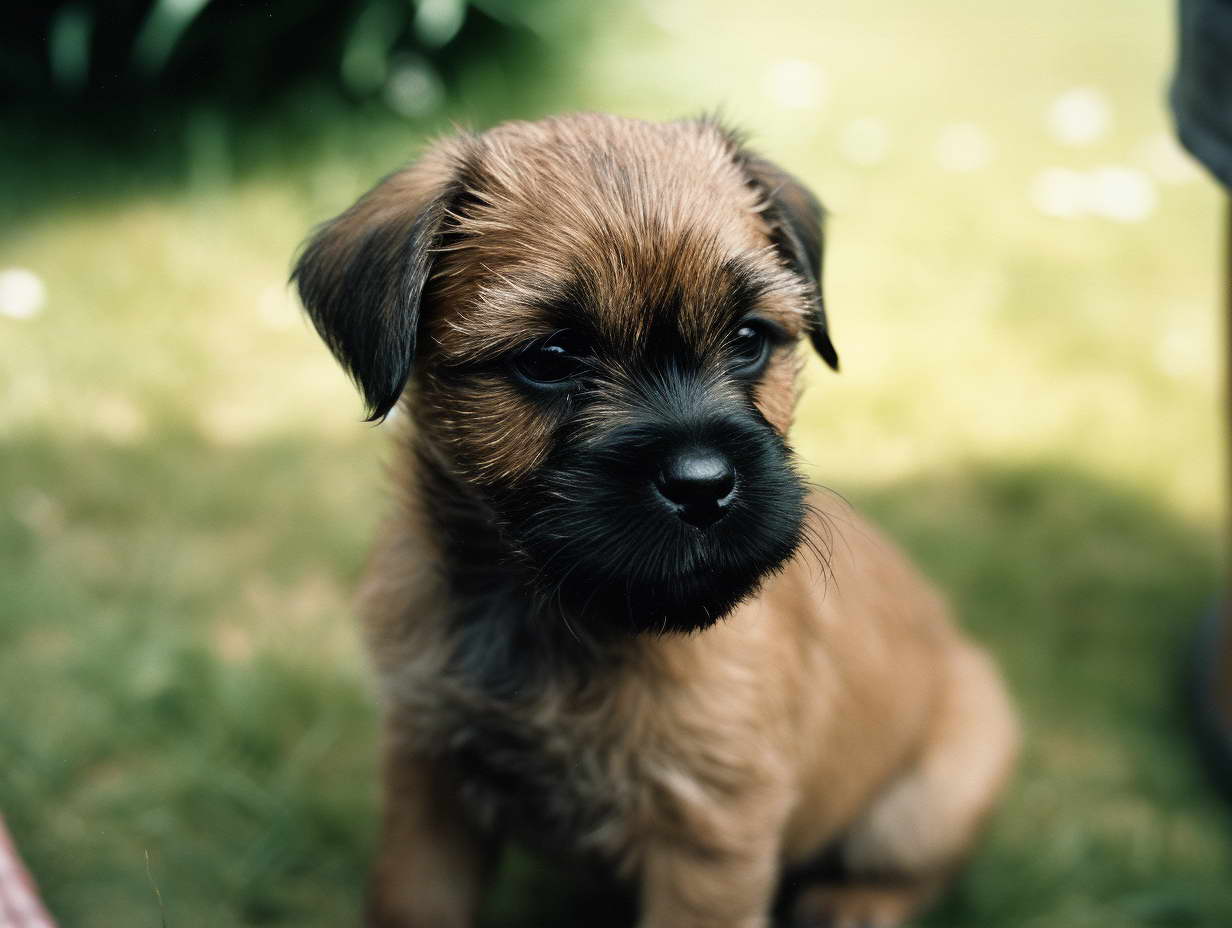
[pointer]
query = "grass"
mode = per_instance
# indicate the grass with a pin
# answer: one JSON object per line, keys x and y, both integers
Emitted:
{"x": 1028, "y": 403}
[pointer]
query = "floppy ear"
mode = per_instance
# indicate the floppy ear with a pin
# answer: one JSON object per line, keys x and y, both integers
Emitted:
{"x": 361, "y": 276}
{"x": 796, "y": 222}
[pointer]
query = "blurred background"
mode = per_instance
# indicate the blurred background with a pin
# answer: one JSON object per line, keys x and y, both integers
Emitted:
{"x": 1023, "y": 284}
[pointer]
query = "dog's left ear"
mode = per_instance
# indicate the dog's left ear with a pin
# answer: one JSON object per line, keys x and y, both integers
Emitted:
{"x": 796, "y": 221}
{"x": 362, "y": 275}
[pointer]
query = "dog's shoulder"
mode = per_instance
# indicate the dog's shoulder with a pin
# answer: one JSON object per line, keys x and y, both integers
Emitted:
{"x": 854, "y": 567}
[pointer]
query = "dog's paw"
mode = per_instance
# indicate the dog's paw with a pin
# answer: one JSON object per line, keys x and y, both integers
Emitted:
{"x": 854, "y": 906}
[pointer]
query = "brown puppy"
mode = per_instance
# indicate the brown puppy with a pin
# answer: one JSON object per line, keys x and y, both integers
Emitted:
{"x": 607, "y": 616}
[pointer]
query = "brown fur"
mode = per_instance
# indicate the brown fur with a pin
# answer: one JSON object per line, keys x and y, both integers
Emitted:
{"x": 837, "y": 710}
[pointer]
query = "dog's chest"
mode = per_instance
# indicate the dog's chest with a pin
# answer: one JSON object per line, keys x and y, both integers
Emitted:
{"x": 547, "y": 766}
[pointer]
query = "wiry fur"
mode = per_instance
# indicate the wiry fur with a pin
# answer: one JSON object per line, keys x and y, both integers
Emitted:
{"x": 548, "y": 638}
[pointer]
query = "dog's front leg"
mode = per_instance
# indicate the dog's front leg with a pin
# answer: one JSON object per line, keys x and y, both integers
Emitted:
{"x": 430, "y": 863}
{"x": 686, "y": 886}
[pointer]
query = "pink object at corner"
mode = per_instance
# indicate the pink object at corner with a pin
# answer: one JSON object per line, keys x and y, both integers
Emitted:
{"x": 20, "y": 906}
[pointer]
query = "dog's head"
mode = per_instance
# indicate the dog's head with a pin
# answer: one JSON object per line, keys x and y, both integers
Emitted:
{"x": 594, "y": 321}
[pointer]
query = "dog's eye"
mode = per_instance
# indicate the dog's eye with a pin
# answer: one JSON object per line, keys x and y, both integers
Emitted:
{"x": 550, "y": 362}
{"x": 750, "y": 347}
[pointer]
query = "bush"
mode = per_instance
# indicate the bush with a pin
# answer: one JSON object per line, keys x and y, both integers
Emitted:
{"x": 109, "y": 55}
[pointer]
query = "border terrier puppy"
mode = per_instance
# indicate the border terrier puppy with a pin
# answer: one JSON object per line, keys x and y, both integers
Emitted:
{"x": 608, "y": 616}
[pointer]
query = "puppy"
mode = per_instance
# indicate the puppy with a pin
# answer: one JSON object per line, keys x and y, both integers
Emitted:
{"x": 608, "y": 617}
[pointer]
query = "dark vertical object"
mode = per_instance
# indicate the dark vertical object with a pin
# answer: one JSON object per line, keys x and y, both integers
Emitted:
{"x": 1222, "y": 689}
{"x": 1201, "y": 98}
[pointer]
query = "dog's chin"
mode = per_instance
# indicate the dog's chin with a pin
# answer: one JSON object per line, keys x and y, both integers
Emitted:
{"x": 683, "y": 580}
{"x": 687, "y": 604}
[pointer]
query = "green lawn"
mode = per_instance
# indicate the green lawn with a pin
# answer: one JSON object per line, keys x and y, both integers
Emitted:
{"x": 1028, "y": 402}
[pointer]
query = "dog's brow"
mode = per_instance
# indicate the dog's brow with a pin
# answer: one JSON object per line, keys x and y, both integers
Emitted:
{"x": 514, "y": 309}
{"x": 746, "y": 286}
{"x": 774, "y": 293}
{"x": 529, "y": 308}
{"x": 504, "y": 320}
{"x": 567, "y": 308}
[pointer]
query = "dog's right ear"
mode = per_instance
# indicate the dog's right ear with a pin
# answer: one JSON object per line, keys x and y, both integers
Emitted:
{"x": 797, "y": 226}
{"x": 361, "y": 276}
{"x": 797, "y": 222}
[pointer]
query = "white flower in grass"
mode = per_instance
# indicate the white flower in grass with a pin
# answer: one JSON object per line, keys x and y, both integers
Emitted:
{"x": 964, "y": 147}
{"x": 1121, "y": 193}
{"x": 1079, "y": 116}
{"x": 1114, "y": 191}
{"x": 22, "y": 293}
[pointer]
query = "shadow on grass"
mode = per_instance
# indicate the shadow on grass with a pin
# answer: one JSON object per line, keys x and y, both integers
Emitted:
{"x": 1088, "y": 594}
{"x": 180, "y": 678}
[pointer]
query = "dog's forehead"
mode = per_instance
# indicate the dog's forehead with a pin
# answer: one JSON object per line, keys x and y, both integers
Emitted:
{"x": 633, "y": 228}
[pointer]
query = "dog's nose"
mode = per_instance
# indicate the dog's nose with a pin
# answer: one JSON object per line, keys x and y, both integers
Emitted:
{"x": 700, "y": 483}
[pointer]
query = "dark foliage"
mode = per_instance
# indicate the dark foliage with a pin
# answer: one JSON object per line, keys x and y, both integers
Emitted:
{"x": 97, "y": 55}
